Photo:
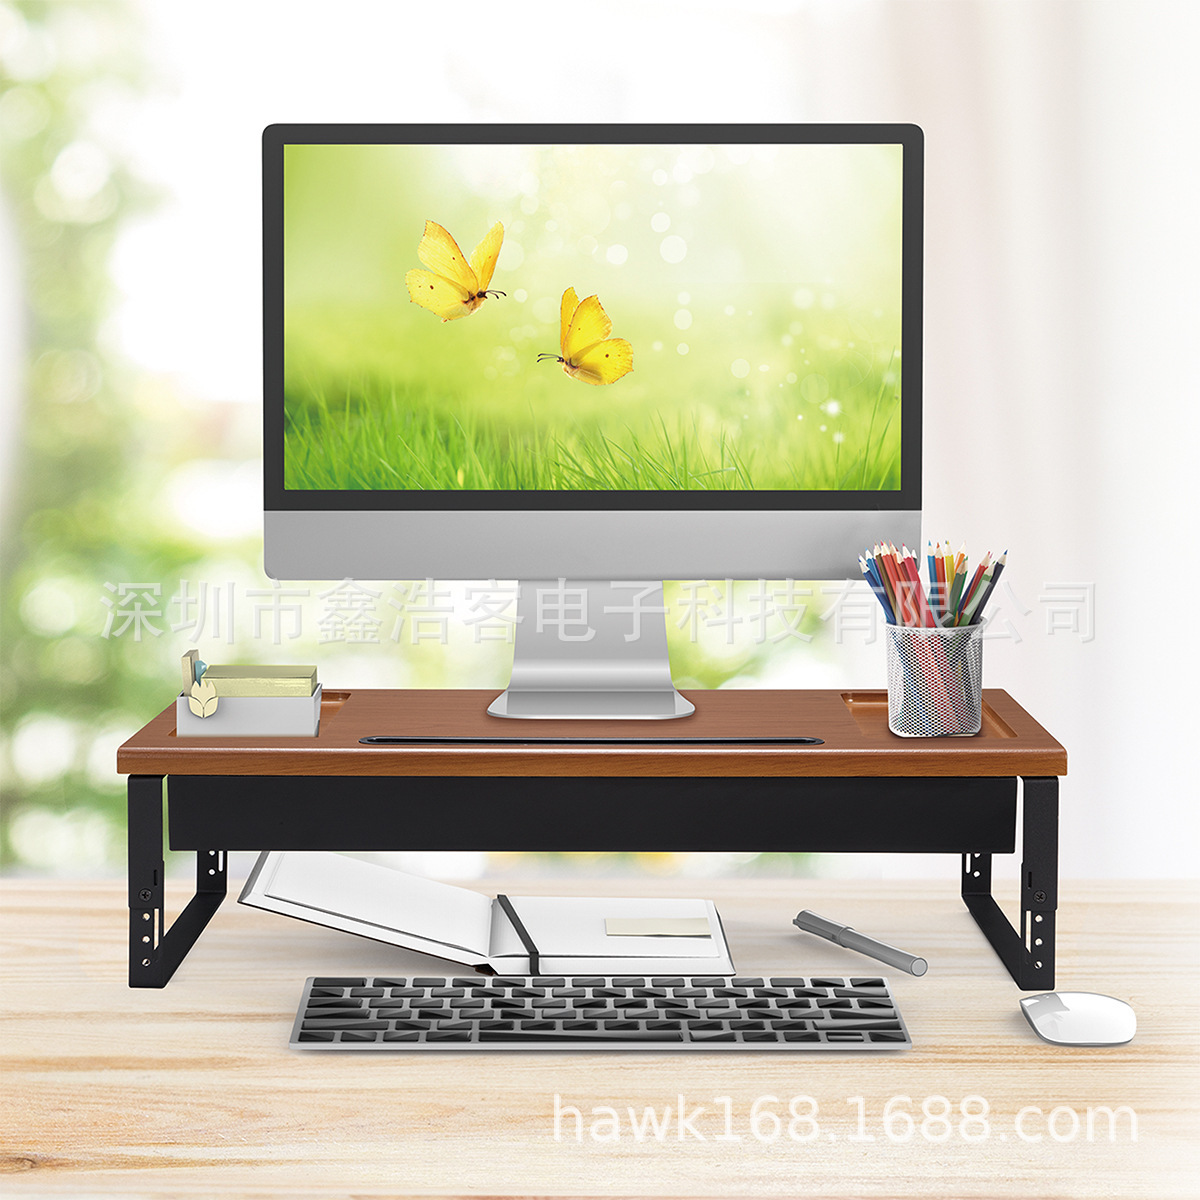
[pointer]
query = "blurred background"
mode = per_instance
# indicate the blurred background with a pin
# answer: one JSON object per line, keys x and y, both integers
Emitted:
{"x": 1060, "y": 414}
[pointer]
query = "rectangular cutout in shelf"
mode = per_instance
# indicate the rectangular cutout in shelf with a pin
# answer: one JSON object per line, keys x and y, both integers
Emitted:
{"x": 870, "y": 712}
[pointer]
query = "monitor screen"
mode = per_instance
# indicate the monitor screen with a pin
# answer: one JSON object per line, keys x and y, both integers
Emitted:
{"x": 570, "y": 317}
{"x": 464, "y": 322}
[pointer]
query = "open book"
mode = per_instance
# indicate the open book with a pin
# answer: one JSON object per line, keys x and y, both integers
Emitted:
{"x": 572, "y": 935}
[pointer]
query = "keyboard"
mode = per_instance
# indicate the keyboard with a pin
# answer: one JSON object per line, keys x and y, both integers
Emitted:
{"x": 610, "y": 1012}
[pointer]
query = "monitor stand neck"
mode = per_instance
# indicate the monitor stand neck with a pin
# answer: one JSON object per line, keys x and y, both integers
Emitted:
{"x": 590, "y": 650}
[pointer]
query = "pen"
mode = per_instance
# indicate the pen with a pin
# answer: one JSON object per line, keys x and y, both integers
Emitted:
{"x": 843, "y": 935}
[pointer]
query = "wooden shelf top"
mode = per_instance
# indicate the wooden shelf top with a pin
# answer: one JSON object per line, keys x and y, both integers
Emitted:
{"x": 853, "y": 724}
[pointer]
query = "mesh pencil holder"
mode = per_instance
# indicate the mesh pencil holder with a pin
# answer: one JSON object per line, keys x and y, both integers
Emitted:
{"x": 935, "y": 681}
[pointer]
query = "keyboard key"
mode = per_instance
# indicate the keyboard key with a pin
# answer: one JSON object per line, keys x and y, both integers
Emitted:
{"x": 343, "y": 1024}
{"x": 453, "y": 1035}
{"x": 366, "y": 991}
{"x": 662, "y": 981}
{"x": 556, "y": 1036}
{"x": 545, "y": 981}
{"x": 701, "y": 1035}
{"x": 401, "y": 1037}
{"x": 747, "y": 981}
{"x": 328, "y": 982}
{"x": 628, "y": 981}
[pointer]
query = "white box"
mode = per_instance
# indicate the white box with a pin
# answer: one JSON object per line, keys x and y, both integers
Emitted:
{"x": 252, "y": 716}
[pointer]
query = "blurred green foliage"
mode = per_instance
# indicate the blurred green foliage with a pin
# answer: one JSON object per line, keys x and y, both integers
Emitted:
{"x": 102, "y": 450}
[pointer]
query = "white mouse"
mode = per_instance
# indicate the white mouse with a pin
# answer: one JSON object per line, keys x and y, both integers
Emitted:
{"x": 1080, "y": 1019}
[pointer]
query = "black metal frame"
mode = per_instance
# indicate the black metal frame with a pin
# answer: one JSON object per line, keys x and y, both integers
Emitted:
{"x": 1029, "y": 954}
{"x": 974, "y": 816}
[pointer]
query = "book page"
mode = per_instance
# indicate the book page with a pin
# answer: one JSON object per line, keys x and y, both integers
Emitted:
{"x": 574, "y": 926}
{"x": 389, "y": 901}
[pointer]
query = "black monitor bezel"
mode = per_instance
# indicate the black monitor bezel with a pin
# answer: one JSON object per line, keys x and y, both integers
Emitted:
{"x": 278, "y": 498}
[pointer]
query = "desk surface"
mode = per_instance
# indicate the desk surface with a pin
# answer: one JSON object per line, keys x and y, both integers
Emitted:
{"x": 192, "y": 1091}
{"x": 857, "y": 741}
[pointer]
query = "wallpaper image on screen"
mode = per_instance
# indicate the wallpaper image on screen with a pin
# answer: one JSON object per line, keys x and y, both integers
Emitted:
{"x": 592, "y": 317}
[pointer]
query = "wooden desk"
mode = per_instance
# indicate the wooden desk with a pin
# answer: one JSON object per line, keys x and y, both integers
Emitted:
{"x": 861, "y": 789}
{"x": 192, "y": 1091}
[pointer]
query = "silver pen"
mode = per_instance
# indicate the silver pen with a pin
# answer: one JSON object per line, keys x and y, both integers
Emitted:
{"x": 843, "y": 935}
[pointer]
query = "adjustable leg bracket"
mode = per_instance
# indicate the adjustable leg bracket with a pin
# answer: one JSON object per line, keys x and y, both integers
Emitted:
{"x": 154, "y": 950}
{"x": 1029, "y": 953}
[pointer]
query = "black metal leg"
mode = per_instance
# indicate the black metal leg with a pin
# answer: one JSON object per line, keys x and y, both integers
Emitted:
{"x": 1028, "y": 955}
{"x": 154, "y": 950}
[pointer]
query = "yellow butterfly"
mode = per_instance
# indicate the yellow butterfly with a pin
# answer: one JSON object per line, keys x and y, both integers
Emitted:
{"x": 588, "y": 353}
{"x": 454, "y": 287}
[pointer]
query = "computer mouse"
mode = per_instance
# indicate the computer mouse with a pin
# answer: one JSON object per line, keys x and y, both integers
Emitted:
{"x": 1080, "y": 1019}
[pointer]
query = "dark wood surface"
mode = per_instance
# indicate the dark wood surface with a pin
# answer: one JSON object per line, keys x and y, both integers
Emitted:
{"x": 853, "y": 724}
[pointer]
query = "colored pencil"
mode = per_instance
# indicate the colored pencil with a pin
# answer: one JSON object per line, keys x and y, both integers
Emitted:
{"x": 970, "y": 589}
{"x": 956, "y": 589}
{"x": 899, "y": 598}
{"x": 935, "y": 598}
{"x": 997, "y": 568}
{"x": 894, "y": 575}
{"x": 869, "y": 570}
{"x": 877, "y": 563}
{"x": 975, "y": 604}
{"x": 924, "y": 613}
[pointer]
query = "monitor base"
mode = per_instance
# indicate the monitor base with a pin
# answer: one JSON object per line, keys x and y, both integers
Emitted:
{"x": 591, "y": 706}
{"x": 591, "y": 650}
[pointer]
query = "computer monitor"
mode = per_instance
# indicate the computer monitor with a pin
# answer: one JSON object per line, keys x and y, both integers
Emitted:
{"x": 590, "y": 358}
